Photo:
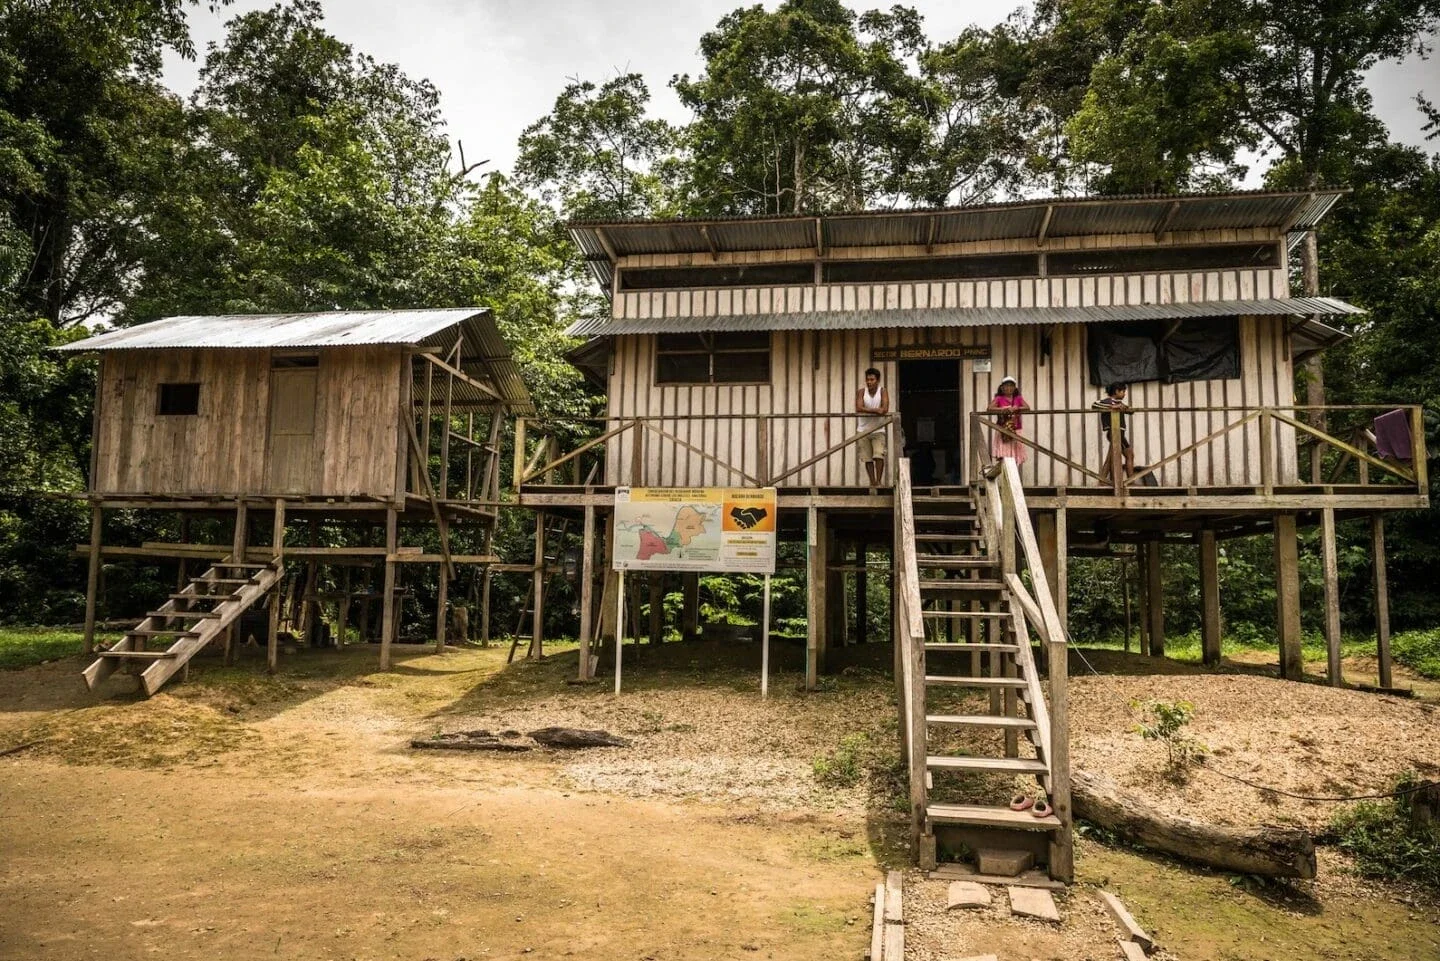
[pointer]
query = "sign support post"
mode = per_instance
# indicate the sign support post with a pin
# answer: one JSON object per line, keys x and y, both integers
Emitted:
{"x": 765, "y": 642}
{"x": 619, "y": 628}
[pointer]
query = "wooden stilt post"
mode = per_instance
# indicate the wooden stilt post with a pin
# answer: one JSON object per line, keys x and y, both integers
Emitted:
{"x": 92, "y": 577}
{"x": 1287, "y": 597}
{"x": 537, "y": 611}
{"x": 1209, "y": 599}
{"x": 587, "y": 591}
{"x": 442, "y": 604}
{"x": 1382, "y": 598}
{"x": 862, "y": 593}
{"x": 485, "y": 607}
{"x": 277, "y": 597}
{"x": 815, "y": 553}
{"x": 619, "y": 627}
{"x": 1125, "y": 567}
{"x": 1331, "y": 565}
{"x": 240, "y": 541}
{"x": 690, "y": 614}
{"x": 342, "y": 614}
{"x": 657, "y": 607}
{"x": 387, "y": 616}
{"x": 1155, "y": 598}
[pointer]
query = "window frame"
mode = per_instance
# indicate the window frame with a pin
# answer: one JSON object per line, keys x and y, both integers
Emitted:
{"x": 711, "y": 349}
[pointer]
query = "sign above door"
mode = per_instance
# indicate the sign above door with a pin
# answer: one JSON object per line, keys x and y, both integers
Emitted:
{"x": 931, "y": 352}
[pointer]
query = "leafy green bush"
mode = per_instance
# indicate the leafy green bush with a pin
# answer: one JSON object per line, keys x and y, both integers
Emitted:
{"x": 843, "y": 766}
{"x": 1419, "y": 651}
{"x": 1388, "y": 840}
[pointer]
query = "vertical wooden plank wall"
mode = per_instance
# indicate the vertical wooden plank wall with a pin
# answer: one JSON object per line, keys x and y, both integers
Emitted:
{"x": 222, "y": 449}
{"x": 819, "y": 371}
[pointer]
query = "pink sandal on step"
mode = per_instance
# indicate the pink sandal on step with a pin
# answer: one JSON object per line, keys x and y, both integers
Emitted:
{"x": 1021, "y": 803}
{"x": 1041, "y": 809}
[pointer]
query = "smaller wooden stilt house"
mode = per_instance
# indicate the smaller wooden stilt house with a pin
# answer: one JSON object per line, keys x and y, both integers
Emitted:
{"x": 372, "y": 423}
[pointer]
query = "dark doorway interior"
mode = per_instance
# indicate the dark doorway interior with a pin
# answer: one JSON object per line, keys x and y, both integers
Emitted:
{"x": 930, "y": 415}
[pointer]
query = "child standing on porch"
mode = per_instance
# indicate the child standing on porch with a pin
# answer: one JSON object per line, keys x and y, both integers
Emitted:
{"x": 873, "y": 401}
{"x": 1008, "y": 403}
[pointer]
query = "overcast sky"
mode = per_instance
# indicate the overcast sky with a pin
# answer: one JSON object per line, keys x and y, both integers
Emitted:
{"x": 499, "y": 64}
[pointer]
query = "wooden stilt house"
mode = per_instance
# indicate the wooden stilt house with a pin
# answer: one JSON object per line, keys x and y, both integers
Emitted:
{"x": 732, "y": 354}
{"x": 369, "y": 422}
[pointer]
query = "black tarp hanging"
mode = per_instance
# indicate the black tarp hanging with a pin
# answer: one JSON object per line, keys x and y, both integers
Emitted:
{"x": 1199, "y": 348}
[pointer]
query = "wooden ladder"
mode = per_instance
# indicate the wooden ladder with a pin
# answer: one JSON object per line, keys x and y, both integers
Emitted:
{"x": 556, "y": 529}
{"x": 972, "y": 641}
{"x": 187, "y": 621}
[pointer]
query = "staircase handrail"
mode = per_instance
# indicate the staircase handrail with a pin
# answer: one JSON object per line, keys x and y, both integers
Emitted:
{"x": 910, "y": 648}
{"x": 1005, "y": 520}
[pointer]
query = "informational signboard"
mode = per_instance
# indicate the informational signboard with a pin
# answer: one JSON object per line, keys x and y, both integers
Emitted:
{"x": 931, "y": 352}
{"x": 715, "y": 529}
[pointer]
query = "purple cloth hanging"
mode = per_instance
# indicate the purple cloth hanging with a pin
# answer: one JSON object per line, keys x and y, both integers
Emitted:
{"x": 1392, "y": 435}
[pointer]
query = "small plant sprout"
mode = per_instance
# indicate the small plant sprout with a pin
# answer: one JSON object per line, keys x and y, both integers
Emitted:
{"x": 1166, "y": 722}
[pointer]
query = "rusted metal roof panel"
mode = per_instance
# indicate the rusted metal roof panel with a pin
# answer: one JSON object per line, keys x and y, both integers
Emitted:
{"x": 959, "y": 317}
{"x": 1069, "y": 216}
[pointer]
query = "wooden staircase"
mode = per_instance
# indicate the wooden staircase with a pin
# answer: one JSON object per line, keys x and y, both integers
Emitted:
{"x": 976, "y": 719}
{"x": 971, "y": 645}
{"x": 186, "y": 622}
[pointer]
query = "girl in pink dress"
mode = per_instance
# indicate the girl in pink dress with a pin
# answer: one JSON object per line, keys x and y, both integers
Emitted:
{"x": 1008, "y": 403}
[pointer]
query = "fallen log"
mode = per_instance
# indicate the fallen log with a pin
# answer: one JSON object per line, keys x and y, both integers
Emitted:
{"x": 576, "y": 737}
{"x": 473, "y": 741}
{"x": 1268, "y": 851}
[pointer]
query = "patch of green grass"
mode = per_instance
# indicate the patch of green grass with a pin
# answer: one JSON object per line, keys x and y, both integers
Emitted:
{"x": 814, "y": 918}
{"x": 1388, "y": 839}
{"x": 1186, "y": 647}
{"x": 26, "y": 646}
{"x": 843, "y": 766}
{"x": 1419, "y": 651}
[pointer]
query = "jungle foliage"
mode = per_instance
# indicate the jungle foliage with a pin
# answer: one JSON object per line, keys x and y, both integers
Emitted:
{"x": 302, "y": 174}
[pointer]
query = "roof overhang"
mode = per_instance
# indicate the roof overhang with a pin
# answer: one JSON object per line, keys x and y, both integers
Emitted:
{"x": 605, "y": 242}
{"x": 1308, "y": 333}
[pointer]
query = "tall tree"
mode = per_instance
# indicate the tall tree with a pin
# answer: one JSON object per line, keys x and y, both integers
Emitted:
{"x": 85, "y": 129}
{"x": 598, "y": 154}
{"x": 805, "y": 108}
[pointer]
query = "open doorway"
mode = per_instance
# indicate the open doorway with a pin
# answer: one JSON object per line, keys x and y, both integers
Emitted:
{"x": 930, "y": 416}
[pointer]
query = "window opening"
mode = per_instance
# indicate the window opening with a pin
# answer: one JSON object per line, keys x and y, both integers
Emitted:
{"x": 178, "y": 400}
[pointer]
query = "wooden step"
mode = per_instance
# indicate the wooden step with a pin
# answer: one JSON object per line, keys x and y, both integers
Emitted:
{"x": 1003, "y": 765}
{"x": 960, "y": 584}
{"x": 137, "y": 655}
{"x": 987, "y": 615}
{"x": 990, "y": 817}
{"x": 936, "y": 536}
{"x": 968, "y": 519}
{"x": 202, "y": 597}
{"x": 966, "y": 647}
{"x": 190, "y": 614}
{"x": 980, "y": 720}
{"x": 248, "y": 567}
{"x": 957, "y": 681}
{"x": 221, "y": 580}
{"x": 954, "y": 560}
{"x": 160, "y": 632}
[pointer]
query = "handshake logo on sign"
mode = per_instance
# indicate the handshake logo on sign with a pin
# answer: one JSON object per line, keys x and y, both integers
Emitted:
{"x": 748, "y": 517}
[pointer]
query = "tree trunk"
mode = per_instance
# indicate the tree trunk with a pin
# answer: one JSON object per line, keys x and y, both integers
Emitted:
{"x": 1268, "y": 851}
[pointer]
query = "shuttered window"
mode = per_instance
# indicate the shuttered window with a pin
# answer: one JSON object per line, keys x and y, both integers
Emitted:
{"x": 736, "y": 357}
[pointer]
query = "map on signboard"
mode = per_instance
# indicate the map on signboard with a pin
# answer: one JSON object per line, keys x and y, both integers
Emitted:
{"x": 682, "y": 531}
{"x": 694, "y": 529}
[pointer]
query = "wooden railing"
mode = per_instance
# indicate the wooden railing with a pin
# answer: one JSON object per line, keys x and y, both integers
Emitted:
{"x": 1256, "y": 447}
{"x": 909, "y": 630}
{"x": 709, "y": 450}
{"x": 1009, "y": 539}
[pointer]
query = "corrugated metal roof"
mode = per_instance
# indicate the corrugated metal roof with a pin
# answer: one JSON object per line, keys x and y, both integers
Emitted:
{"x": 602, "y": 241}
{"x": 485, "y": 354}
{"x": 958, "y": 317}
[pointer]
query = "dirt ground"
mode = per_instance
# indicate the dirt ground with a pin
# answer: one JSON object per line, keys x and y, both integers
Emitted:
{"x": 241, "y": 816}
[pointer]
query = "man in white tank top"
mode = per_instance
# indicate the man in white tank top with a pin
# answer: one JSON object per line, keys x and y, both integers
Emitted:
{"x": 873, "y": 401}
